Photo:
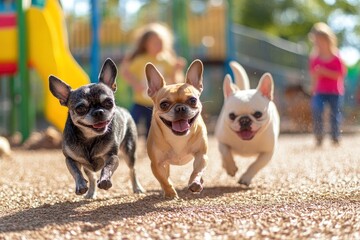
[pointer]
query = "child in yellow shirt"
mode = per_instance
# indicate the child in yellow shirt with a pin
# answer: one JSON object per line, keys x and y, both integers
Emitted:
{"x": 154, "y": 45}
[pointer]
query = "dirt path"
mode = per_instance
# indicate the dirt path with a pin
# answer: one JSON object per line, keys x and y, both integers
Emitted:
{"x": 303, "y": 193}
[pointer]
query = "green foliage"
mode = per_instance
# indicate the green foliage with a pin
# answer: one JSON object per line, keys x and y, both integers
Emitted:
{"x": 292, "y": 19}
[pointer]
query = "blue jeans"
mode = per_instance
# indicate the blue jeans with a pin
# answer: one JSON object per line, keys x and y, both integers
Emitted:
{"x": 318, "y": 103}
{"x": 138, "y": 112}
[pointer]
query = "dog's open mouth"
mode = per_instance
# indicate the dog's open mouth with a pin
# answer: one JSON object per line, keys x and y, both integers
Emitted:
{"x": 180, "y": 127}
{"x": 246, "y": 133}
{"x": 98, "y": 127}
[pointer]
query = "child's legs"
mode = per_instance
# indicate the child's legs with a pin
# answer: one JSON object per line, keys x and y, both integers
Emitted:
{"x": 139, "y": 111}
{"x": 335, "y": 102}
{"x": 136, "y": 112}
{"x": 317, "y": 106}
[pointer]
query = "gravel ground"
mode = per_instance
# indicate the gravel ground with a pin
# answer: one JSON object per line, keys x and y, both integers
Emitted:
{"x": 305, "y": 192}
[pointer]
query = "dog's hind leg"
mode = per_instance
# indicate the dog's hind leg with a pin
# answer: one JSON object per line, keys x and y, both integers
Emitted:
{"x": 136, "y": 186}
{"x": 128, "y": 148}
{"x": 227, "y": 159}
{"x": 255, "y": 167}
{"x": 92, "y": 190}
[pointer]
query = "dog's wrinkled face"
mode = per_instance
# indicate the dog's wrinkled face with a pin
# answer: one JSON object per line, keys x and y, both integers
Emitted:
{"x": 91, "y": 107}
{"x": 178, "y": 105}
{"x": 246, "y": 111}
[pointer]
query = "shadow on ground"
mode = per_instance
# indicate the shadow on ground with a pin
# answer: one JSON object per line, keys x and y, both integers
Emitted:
{"x": 69, "y": 212}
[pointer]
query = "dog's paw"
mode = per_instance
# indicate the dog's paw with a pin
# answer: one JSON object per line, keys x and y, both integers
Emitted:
{"x": 90, "y": 195}
{"x": 171, "y": 194}
{"x": 136, "y": 186}
{"x": 80, "y": 190}
{"x": 195, "y": 187}
{"x": 231, "y": 170}
{"x": 139, "y": 189}
{"x": 104, "y": 184}
{"x": 244, "y": 181}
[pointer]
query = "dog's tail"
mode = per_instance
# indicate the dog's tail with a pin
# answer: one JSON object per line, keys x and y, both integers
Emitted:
{"x": 241, "y": 78}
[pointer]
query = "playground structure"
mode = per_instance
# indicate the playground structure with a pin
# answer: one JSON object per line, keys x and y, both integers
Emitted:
{"x": 42, "y": 44}
{"x": 198, "y": 34}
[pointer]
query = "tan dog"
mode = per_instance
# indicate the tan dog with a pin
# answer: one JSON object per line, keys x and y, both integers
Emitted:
{"x": 177, "y": 134}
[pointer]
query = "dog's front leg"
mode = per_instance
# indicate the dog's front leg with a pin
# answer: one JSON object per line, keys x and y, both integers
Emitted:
{"x": 196, "y": 181}
{"x": 227, "y": 159}
{"x": 162, "y": 172}
{"x": 255, "y": 167}
{"x": 105, "y": 177}
{"x": 80, "y": 182}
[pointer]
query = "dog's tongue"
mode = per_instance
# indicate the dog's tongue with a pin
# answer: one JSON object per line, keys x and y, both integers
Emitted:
{"x": 180, "y": 126}
{"x": 246, "y": 134}
{"x": 100, "y": 125}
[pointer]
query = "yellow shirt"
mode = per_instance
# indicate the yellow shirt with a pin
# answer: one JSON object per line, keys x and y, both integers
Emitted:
{"x": 137, "y": 68}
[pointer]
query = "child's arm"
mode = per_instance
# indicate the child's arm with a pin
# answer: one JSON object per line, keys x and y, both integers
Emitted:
{"x": 177, "y": 74}
{"x": 129, "y": 77}
{"x": 338, "y": 70}
{"x": 323, "y": 71}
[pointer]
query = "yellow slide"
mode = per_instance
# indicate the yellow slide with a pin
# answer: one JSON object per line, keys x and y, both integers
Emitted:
{"x": 49, "y": 54}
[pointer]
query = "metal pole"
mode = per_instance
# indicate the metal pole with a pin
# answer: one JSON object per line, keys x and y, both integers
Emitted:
{"x": 95, "y": 44}
{"x": 230, "y": 45}
{"x": 23, "y": 73}
{"x": 179, "y": 10}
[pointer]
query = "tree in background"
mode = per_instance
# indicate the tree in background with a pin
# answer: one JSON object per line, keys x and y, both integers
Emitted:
{"x": 292, "y": 19}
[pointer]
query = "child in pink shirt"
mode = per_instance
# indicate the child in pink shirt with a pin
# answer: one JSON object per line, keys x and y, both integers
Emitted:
{"x": 327, "y": 77}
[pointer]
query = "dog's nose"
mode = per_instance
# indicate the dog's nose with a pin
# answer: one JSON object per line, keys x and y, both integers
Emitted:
{"x": 180, "y": 108}
{"x": 245, "y": 121}
{"x": 98, "y": 113}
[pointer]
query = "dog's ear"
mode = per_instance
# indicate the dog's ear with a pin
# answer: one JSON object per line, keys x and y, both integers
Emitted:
{"x": 266, "y": 86}
{"x": 108, "y": 74}
{"x": 194, "y": 74}
{"x": 241, "y": 78}
{"x": 59, "y": 89}
{"x": 154, "y": 78}
{"x": 228, "y": 87}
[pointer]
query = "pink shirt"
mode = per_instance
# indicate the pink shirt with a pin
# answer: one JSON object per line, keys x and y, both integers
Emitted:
{"x": 326, "y": 85}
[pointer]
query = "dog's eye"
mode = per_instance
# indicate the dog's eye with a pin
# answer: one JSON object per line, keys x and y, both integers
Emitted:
{"x": 164, "y": 105}
{"x": 81, "y": 109}
{"x": 232, "y": 116}
{"x": 257, "y": 114}
{"x": 108, "y": 103}
{"x": 192, "y": 101}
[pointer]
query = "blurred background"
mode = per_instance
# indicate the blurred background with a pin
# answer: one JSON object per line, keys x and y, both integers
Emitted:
{"x": 43, "y": 37}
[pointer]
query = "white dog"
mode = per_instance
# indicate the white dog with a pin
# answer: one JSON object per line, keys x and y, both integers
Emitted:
{"x": 248, "y": 124}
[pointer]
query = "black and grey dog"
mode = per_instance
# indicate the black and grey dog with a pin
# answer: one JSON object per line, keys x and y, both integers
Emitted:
{"x": 95, "y": 130}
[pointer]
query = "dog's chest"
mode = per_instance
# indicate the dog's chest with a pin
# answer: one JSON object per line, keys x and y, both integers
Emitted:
{"x": 179, "y": 154}
{"x": 179, "y": 159}
{"x": 90, "y": 156}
